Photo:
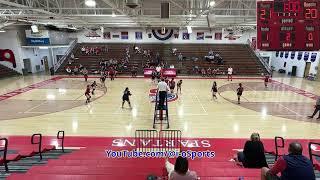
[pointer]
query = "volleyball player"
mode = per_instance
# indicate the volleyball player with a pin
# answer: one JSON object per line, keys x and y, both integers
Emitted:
{"x": 172, "y": 85}
{"x": 153, "y": 76}
{"x": 179, "y": 86}
{"x": 125, "y": 97}
{"x": 87, "y": 94}
{"x": 214, "y": 90}
{"x": 111, "y": 74}
{"x": 230, "y": 71}
{"x": 93, "y": 87}
{"x": 166, "y": 80}
{"x": 266, "y": 80}
{"x": 239, "y": 92}
{"x": 103, "y": 79}
{"x": 85, "y": 74}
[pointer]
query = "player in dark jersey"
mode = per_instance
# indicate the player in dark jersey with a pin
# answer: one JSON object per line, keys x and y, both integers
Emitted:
{"x": 153, "y": 76}
{"x": 214, "y": 90}
{"x": 266, "y": 80}
{"x": 125, "y": 97}
{"x": 239, "y": 92}
{"x": 103, "y": 78}
{"x": 172, "y": 85}
{"x": 85, "y": 74}
{"x": 112, "y": 74}
{"x": 87, "y": 94}
{"x": 179, "y": 86}
{"x": 166, "y": 80}
{"x": 93, "y": 87}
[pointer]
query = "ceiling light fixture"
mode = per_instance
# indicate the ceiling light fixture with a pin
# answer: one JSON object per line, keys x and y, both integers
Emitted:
{"x": 113, "y": 14}
{"x": 90, "y": 3}
{"x": 1, "y": 30}
{"x": 212, "y": 3}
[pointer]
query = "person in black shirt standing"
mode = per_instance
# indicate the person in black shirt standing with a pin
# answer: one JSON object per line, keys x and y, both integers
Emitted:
{"x": 179, "y": 86}
{"x": 125, "y": 97}
{"x": 214, "y": 90}
{"x": 253, "y": 153}
{"x": 317, "y": 108}
{"x": 239, "y": 92}
{"x": 93, "y": 87}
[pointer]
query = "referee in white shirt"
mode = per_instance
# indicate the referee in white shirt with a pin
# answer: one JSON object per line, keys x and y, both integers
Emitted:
{"x": 162, "y": 90}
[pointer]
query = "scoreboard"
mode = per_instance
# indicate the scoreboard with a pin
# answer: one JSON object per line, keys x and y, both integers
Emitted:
{"x": 288, "y": 25}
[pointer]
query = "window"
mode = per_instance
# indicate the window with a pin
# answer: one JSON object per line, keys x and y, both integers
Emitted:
{"x": 306, "y": 56}
{"x": 293, "y": 54}
{"x": 281, "y": 54}
{"x": 286, "y": 54}
{"x": 299, "y": 55}
{"x": 313, "y": 57}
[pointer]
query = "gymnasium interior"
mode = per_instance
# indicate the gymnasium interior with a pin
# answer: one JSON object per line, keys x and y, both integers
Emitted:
{"x": 80, "y": 85}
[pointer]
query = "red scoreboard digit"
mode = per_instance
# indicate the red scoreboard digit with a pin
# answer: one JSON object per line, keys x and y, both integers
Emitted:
{"x": 288, "y": 25}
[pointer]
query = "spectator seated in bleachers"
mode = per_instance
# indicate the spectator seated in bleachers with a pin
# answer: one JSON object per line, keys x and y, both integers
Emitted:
{"x": 137, "y": 50}
{"x": 70, "y": 61}
{"x": 293, "y": 166}
{"x": 209, "y": 71}
{"x": 73, "y": 57}
{"x": 180, "y": 170}
{"x": 210, "y": 53}
{"x": 133, "y": 71}
{"x": 214, "y": 72}
{"x": 203, "y": 72}
{"x": 69, "y": 71}
{"x": 219, "y": 59}
{"x": 75, "y": 70}
{"x": 174, "y": 51}
{"x": 91, "y": 50}
{"x": 180, "y": 57}
{"x": 253, "y": 153}
{"x": 80, "y": 67}
{"x": 83, "y": 50}
{"x": 145, "y": 53}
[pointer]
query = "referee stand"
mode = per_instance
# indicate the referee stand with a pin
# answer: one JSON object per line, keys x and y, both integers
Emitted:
{"x": 161, "y": 115}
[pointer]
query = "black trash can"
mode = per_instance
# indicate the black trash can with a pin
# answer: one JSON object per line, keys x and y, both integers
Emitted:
{"x": 52, "y": 71}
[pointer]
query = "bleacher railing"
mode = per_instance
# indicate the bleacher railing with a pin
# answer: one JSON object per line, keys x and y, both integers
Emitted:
{"x": 37, "y": 137}
{"x": 311, "y": 154}
{"x": 170, "y": 140}
{"x": 163, "y": 141}
{"x": 277, "y": 145}
{"x": 4, "y": 154}
{"x": 146, "y": 140}
{"x": 257, "y": 54}
{"x": 60, "y": 136}
{"x": 66, "y": 55}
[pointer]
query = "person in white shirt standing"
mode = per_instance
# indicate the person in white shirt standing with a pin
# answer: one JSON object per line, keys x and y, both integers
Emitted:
{"x": 230, "y": 73}
{"x": 162, "y": 90}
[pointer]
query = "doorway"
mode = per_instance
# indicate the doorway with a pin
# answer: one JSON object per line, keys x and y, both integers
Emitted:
{"x": 307, "y": 69}
{"x": 27, "y": 65}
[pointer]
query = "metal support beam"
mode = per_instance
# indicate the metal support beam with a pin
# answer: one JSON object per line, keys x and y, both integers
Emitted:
{"x": 23, "y": 6}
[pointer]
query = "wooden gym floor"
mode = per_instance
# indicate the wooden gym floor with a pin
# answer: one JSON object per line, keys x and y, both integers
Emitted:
{"x": 43, "y": 104}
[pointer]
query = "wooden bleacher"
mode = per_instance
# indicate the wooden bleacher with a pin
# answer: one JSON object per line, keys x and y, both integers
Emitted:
{"x": 238, "y": 56}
